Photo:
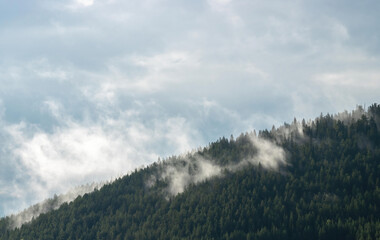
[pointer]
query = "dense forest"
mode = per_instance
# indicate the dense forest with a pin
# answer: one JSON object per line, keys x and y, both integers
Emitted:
{"x": 315, "y": 179}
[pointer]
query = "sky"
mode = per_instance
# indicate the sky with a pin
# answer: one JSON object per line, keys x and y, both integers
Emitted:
{"x": 92, "y": 89}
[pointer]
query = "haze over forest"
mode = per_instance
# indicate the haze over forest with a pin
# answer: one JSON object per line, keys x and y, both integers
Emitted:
{"x": 92, "y": 89}
{"x": 304, "y": 180}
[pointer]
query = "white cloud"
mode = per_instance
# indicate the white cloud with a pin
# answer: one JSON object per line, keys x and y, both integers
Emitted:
{"x": 85, "y": 3}
{"x": 357, "y": 79}
{"x": 162, "y": 69}
{"x": 219, "y": 5}
{"x": 225, "y": 7}
{"x": 168, "y": 60}
{"x": 77, "y": 4}
{"x": 72, "y": 155}
{"x": 269, "y": 154}
{"x": 195, "y": 169}
{"x": 77, "y": 153}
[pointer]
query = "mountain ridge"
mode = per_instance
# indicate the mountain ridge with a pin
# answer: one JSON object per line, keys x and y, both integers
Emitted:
{"x": 324, "y": 185}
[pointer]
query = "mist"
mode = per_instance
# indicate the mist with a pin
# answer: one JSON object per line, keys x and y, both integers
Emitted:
{"x": 50, "y": 204}
{"x": 193, "y": 168}
{"x": 178, "y": 172}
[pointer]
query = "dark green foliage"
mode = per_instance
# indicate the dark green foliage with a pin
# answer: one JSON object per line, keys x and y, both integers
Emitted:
{"x": 329, "y": 190}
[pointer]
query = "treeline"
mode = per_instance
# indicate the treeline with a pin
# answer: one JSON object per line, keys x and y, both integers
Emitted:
{"x": 329, "y": 189}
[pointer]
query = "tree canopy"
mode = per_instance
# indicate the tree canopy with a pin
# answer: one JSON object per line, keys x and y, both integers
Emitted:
{"x": 328, "y": 188}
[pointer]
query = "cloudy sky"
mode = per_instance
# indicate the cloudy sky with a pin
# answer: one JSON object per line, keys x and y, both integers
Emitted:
{"x": 91, "y": 89}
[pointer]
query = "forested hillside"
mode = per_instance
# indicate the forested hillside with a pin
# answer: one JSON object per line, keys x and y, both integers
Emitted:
{"x": 305, "y": 180}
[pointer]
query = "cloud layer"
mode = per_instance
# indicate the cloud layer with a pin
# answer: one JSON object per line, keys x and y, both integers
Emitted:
{"x": 94, "y": 88}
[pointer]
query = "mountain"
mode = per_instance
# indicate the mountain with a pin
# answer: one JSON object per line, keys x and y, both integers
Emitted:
{"x": 305, "y": 180}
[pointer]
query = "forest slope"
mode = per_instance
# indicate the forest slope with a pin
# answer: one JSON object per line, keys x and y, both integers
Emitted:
{"x": 315, "y": 180}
